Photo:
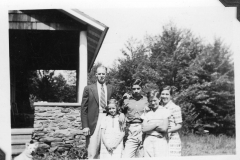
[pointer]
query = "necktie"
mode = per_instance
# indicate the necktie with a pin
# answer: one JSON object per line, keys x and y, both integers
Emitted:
{"x": 102, "y": 98}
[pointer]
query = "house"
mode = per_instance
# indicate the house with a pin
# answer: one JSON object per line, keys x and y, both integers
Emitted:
{"x": 48, "y": 39}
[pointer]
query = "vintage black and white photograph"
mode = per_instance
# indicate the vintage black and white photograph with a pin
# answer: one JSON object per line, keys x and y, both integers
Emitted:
{"x": 119, "y": 79}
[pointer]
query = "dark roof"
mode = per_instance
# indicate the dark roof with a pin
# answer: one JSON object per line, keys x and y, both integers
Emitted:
{"x": 41, "y": 30}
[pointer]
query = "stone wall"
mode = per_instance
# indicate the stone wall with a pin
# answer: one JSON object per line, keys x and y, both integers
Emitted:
{"x": 57, "y": 128}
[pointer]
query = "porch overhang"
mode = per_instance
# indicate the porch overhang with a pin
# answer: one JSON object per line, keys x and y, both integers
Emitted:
{"x": 53, "y": 33}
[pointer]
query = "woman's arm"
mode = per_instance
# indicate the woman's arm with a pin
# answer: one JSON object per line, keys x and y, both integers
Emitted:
{"x": 177, "y": 116}
{"x": 175, "y": 128}
{"x": 148, "y": 127}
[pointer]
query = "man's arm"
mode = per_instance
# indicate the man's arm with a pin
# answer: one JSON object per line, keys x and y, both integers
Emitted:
{"x": 162, "y": 127}
{"x": 84, "y": 112}
{"x": 122, "y": 117}
{"x": 123, "y": 111}
{"x": 148, "y": 126}
{"x": 124, "y": 104}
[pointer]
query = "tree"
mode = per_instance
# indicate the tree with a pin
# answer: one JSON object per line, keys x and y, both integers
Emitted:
{"x": 64, "y": 92}
{"x": 40, "y": 84}
{"x": 71, "y": 76}
{"x": 202, "y": 74}
{"x": 44, "y": 86}
{"x": 171, "y": 53}
{"x": 135, "y": 64}
{"x": 211, "y": 97}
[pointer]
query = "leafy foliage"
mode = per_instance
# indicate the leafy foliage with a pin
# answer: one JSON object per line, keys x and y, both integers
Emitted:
{"x": 202, "y": 75}
{"x": 135, "y": 64}
{"x": 44, "y": 86}
{"x": 75, "y": 153}
{"x": 211, "y": 97}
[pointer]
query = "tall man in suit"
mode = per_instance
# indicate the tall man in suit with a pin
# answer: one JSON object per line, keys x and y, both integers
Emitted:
{"x": 93, "y": 105}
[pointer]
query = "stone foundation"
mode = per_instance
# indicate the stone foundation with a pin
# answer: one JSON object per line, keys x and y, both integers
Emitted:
{"x": 57, "y": 128}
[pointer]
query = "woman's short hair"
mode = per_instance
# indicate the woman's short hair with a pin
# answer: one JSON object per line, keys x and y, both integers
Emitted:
{"x": 136, "y": 82}
{"x": 115, "y": 102}
{"x": 152, "y": 94}
{"x": 166, "y": 87}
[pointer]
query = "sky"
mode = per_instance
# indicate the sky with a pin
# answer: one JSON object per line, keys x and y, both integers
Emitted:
{"x": 208, "y": 19}
{"x": 207, "y": 22}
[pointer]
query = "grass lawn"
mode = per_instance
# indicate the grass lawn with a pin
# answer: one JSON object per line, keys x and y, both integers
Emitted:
{"x": 193, "y": 145}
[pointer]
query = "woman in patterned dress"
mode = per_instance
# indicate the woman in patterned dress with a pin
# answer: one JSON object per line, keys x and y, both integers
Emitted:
{"x": 175, "y": 121}
{"x": 111, "y": 134}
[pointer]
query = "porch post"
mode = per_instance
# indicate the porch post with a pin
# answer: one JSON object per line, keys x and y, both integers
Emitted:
{"x": 5, "y": 119}
{"x": 83, "y": 65}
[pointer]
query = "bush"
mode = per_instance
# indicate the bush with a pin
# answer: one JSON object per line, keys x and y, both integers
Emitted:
{"x": 74, "y": 153}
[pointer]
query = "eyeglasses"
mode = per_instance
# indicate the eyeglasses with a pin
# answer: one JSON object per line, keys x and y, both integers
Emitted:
{"x": 136, "y": 88}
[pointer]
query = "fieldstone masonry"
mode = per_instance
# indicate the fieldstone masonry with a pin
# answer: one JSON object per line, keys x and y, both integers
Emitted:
{"x": 57, "y": 128}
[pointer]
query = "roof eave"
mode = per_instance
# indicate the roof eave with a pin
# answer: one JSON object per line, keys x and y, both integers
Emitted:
{"x": 85, "y": 19}
{"x": 98, "y": 47}
{"x": 81, "y": 17}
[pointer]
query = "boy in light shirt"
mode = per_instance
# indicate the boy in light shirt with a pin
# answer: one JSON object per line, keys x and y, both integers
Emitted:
{"x": 155, "y": 124}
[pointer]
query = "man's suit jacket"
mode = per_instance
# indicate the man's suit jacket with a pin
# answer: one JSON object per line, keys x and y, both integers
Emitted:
{"x": 90, "y": 106}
